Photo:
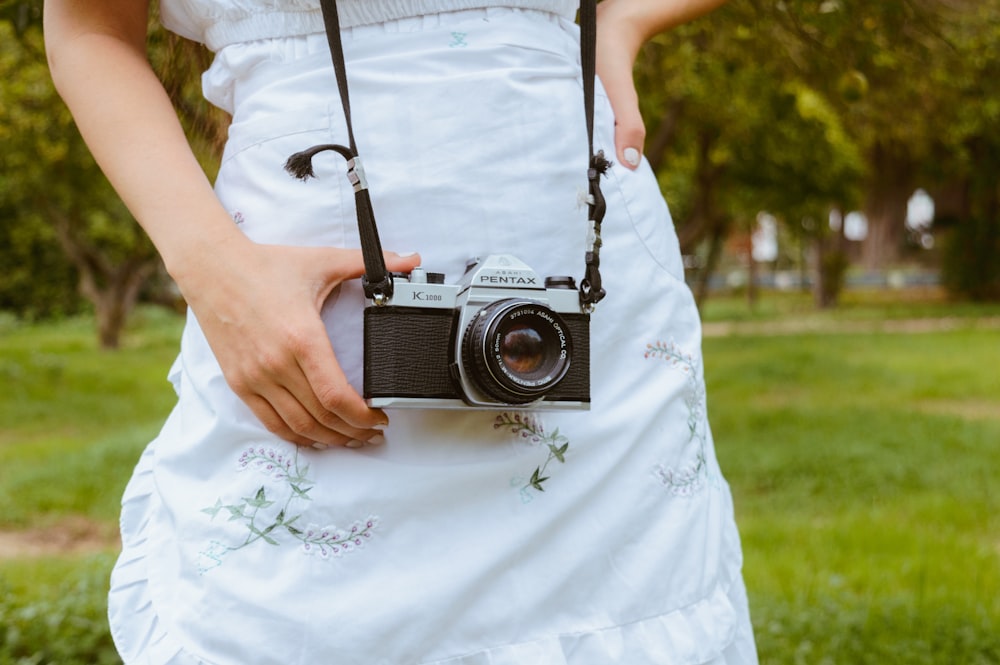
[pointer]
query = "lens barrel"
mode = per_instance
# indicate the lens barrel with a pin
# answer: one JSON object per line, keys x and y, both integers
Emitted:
{"x": 516, "y": 350}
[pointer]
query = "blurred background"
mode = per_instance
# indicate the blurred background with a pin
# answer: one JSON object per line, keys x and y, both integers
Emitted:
{"x": 833, "y": 168}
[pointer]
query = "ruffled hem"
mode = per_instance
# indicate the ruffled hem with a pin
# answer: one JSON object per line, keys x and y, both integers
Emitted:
{"x": 713, "y": 631}
{"x": 136, "y": 628}
{"x": 699, "y": 634}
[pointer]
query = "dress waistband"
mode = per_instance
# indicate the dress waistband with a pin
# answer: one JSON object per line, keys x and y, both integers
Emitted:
{"x": 242, "y": 69}
{"x": 218, "y": 23}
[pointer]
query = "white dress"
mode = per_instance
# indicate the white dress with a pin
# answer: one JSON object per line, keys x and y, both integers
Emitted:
{"x": 511, "y": 537}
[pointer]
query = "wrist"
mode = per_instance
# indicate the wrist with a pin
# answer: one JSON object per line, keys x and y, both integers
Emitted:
{"x": 204, "y": 259}
{"x": 622, "y": 22}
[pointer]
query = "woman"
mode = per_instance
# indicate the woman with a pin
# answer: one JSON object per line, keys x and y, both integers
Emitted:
{"x": 267, "y": 523}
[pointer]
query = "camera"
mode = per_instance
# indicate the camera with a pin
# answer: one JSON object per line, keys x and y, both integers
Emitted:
{"x": 500, "y": 337}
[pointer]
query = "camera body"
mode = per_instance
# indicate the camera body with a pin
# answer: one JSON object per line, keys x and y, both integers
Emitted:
{"x": 501, "y": 337}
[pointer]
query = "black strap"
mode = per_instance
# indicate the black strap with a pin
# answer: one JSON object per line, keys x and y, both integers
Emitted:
{"x": 591, "y": 291}
{"x": 377, "y": 281}
{"x": 331, "y": 20}
{"x": 588, "y": 63}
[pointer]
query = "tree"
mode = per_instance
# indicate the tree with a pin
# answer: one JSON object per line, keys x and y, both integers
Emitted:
{"x": 803, "y": 106}
{"x": 50, "y": 178}
{"x": 740, "y": 132}
{"x": 36, "y": 281}
{"x": 967, "y": 152}
{"x": 50, "y": 181}
{"x": 872, "y": 60}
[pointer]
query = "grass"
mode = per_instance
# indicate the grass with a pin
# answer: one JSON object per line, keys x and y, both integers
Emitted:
{"x": 52, "y": 612}
{"x": 863, "y": 468}
{"x": 865, "y": 475}
{"x": 74, "y": 418}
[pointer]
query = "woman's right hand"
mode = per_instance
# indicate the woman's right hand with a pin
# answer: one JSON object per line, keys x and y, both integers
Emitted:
{"x": 259, "y": 308}
{"x": 259, "y": 305}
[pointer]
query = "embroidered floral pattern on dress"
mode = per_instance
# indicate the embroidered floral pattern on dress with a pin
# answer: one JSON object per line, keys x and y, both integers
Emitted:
{"x": 268, "y": 515}
{"x": 531, "y": 429}
{"x": 689, "y": 479}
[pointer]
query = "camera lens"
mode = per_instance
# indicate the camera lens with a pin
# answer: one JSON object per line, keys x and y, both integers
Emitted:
{"x": 522, "y": 349}
{"x": 516, "y": 350}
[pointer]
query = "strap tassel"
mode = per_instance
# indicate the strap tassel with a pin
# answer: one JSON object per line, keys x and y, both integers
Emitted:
{"x": 300, "y": 164}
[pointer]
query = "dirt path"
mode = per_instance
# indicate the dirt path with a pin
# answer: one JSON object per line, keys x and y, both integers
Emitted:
{"x": 815, "y": 326}
{"x": 69, "y": 537}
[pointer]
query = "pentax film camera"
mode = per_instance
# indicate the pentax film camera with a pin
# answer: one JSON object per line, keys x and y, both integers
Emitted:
{"x": 500, "y": 337}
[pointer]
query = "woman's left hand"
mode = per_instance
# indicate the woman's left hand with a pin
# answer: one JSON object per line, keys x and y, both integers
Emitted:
{"x": 618, "y": 43}
{"x": 623, "y": 26}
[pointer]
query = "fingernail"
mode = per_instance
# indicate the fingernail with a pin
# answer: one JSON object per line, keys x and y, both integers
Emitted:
{"x": 320, "y": 446}
{"x": 376, "y": 440}
{"x": 404, "y": 255}
{"x": 354, "y": 444}
{"x": 632, "y": 156}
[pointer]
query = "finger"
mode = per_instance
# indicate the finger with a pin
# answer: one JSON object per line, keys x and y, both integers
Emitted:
{"x": 341, "y": 265}
{"x": 281, "y": 396}
{"x": 350, "y": 263}
{"x": 306, "y": 415}
{"x": 630, "y": 131}
{"x": 336, "y": 399}
{"x": 616, "y": 55}
{"x": 303, "y": 423}
{"x": 286, "y": 418}
{"x": 629, "y": 139}
{"x": 274, "y": 423}
{"x": 401, "y": 262}
{"x": 325, "y": 390}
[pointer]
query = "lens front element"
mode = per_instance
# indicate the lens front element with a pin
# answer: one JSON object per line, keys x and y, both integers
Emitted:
{"x": 516, "y": 350}
{"x": 522, "y": 349}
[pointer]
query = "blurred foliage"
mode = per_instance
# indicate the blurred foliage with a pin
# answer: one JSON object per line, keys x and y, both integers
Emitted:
{"x": 799, "y": 107}
{"x": 66, "y": 232}
{"x": 53, "y": 192}
{"x": 37, "y": 280}
{"x": 970, "y": 264}
{"x": 55, "y": 622}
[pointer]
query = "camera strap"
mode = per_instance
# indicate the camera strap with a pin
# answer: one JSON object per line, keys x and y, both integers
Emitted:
{"x": 377, "y": 281}
{"x": 591, "y": 291}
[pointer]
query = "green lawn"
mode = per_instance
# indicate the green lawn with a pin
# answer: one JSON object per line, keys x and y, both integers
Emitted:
{"x": 73, "y": 419}
{"x": 864, "y": 468}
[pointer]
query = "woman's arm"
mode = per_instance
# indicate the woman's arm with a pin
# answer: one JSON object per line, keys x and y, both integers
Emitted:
{"x": 623, "y": 26}
{"x": 272, "y": 347}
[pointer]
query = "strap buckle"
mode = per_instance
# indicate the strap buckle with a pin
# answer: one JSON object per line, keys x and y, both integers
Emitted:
{"x": 356, "y": 174}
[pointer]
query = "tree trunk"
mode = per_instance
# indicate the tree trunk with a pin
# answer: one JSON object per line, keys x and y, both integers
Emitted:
{"x": 117, "y": 299}
{"x": 663, "y": 138}
{"x": 972, "y": 251}
{"x": 716, "y": 241}
{"x": 830, "y": 264}
{"x": 703, "y": 219}
{"x": 112, "y": 289}
{"x": 889, "y": 189}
